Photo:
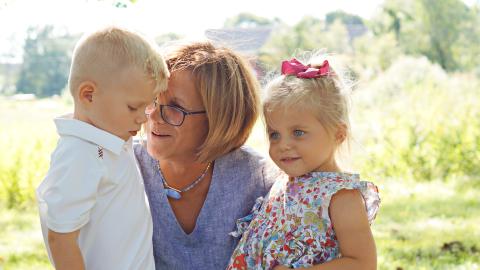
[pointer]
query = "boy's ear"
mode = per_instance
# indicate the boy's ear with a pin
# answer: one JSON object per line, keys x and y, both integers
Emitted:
{"x": 85, "y": 92}
{"x": 341, "y": 133}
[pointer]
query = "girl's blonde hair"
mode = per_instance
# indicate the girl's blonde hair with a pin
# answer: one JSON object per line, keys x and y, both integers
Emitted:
{"x": 101, "y": 56}
{"x": 229, "y": 92}
{"x": 327, "y": 96}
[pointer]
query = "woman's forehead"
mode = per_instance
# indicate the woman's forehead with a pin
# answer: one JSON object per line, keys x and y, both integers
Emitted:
{"x": 181, "y": 90}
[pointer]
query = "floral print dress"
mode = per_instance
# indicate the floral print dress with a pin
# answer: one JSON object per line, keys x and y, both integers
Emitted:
{"x": 292, "y": 227}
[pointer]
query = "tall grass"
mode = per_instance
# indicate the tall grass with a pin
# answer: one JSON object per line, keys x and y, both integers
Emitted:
{"x": 27, "y": 139}
{"x": 416, "y": 121}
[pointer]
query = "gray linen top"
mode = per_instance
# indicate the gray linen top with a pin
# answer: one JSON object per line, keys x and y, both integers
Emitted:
{"x": 238, "y": 179}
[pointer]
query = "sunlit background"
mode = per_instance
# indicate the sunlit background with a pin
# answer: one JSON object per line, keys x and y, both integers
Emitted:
{"x": 416, "y": 97}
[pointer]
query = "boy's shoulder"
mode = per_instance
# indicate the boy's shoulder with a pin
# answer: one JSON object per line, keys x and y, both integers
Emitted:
{"x": 71, "y": 149}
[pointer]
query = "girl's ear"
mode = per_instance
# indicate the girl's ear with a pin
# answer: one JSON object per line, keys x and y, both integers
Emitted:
{"x": 86, "y": 91}
{"x": 341, "y": 133}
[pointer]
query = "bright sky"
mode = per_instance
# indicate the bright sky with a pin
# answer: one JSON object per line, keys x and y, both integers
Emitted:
{"x": 155, "y": 17}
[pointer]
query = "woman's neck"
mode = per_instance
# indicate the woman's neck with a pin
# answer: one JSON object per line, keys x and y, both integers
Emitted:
{"x": 179, "y": 174}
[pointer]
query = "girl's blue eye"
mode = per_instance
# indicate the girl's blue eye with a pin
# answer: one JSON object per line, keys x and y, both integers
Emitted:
{"x": 298, "y": 133}
{"x": 274, "y": 135}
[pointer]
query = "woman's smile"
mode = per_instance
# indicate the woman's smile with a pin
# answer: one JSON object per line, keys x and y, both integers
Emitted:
{"x": 160, "y": 135}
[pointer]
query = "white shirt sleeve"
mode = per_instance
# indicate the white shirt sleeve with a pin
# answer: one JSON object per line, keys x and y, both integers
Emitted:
{"x": 68, "y": 193}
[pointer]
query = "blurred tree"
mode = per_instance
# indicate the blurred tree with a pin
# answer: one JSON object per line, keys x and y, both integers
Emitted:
{"x": 446, "y": 31}
{"x": 308, "y": 35}
{"x": 443, "y": 21}
{"x": 46, "y": 59}
{"x": 8, "y": 66}
{"x": 395, "y": 16}
{"x": 467, "y": 50}
{"x": 344, "y": 17}
{"x": 374, "y": 54}
{"x": 247, "y": 20}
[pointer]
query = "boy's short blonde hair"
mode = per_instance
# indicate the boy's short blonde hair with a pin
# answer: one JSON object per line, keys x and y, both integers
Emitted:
{"x": 101, "y": 56}
{"x": 229, "y": 92}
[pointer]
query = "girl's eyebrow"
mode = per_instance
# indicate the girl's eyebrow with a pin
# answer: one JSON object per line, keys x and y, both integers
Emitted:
{"x": 299, "y": 126}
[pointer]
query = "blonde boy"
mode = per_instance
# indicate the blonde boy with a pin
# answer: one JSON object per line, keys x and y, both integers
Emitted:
{"x": 92, "y": 202}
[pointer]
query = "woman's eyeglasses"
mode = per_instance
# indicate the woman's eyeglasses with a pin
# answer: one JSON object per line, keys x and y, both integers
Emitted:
{"x": 170, "y": 114}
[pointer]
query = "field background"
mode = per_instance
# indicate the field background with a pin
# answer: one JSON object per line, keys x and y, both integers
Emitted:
{"x": 421, "y": 224}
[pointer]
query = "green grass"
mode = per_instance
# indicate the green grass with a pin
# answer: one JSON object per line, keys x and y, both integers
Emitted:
{"x": 21, "y": 242}
{"x": 426, "y": 225}
{"x": 420, "y": 226}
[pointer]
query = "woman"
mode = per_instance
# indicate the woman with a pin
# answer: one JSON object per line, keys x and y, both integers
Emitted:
{"x": 199, "y": 177}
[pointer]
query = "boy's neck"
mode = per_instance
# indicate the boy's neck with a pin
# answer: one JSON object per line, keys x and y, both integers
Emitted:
{"x": 77, "y": 114}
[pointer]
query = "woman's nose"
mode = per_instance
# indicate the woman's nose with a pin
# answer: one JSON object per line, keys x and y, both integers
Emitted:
{"x": 155, "y": 115}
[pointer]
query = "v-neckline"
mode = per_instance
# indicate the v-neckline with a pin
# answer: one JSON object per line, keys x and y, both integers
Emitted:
{"x": 171, "y": 215}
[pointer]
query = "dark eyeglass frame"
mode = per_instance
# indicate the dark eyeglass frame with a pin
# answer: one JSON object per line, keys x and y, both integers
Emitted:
{"x": 184, "y": 112}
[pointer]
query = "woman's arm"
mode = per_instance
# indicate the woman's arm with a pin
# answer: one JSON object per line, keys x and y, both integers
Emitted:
{"x": 350, "y": 222}
{"x": 65, "y": 251}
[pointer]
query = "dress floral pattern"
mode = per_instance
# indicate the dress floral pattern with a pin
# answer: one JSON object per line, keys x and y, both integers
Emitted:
{"x": 292, "y": 227}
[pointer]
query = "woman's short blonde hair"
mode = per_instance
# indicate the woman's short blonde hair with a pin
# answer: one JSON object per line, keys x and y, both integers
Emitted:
{"x": 229, "y": 92}
{"x": 102, "y": 54}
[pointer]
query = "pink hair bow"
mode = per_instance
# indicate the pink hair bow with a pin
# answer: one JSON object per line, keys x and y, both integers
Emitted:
{"x": 295, "y": 67}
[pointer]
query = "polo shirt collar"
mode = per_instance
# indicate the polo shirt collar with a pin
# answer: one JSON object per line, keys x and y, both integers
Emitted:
{"x": 68, "y": 126}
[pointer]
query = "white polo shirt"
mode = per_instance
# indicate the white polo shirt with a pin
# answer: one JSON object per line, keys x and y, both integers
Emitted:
{"x": 94, "y": 185}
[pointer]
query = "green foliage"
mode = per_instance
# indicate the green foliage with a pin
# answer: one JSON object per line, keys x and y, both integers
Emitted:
{"x": 22, "y": 167}
{"x": 46, "y": 59}
{"x": 447, "y": 32}
{"x": 443, "y": 22}
{"x": 419, "y": 122}
{"x": 374, "y": 54}
{"x": 309, "y": 34}
{"x": 26, "y": 145}
{"x": 344, "y": 17}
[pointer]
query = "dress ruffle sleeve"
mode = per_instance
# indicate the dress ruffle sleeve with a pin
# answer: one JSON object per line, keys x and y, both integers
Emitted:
{"x": 242, "y": 223}
{"x": 369, "y": 193}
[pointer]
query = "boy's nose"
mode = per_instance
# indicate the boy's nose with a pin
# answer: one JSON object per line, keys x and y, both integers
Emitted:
{"x": 142, "y": 118}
